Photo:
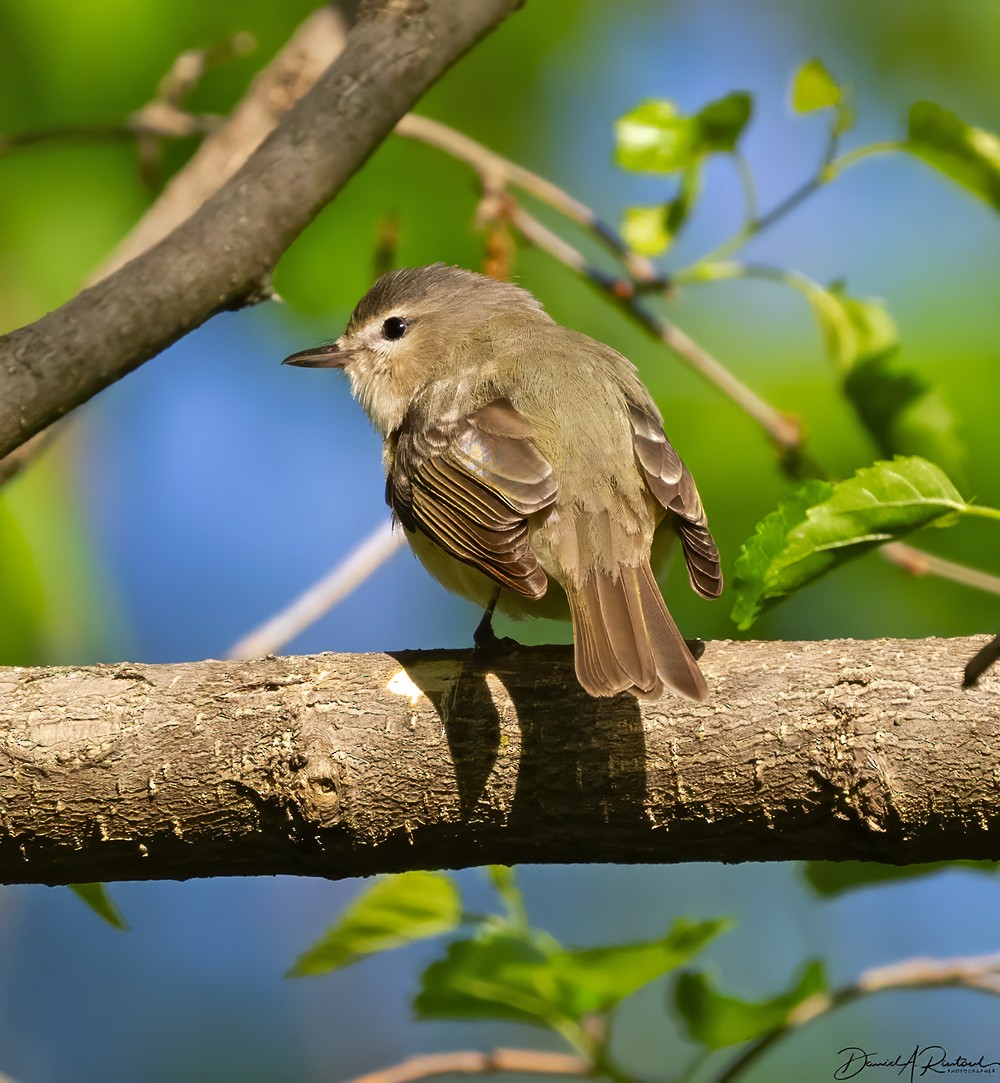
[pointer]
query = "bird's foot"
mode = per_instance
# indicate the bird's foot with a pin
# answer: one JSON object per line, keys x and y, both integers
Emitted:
{"x": 487, "y": 643}
{"x": 696, "y": 647}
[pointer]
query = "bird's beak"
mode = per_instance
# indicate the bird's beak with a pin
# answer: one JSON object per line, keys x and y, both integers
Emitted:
{"x": 320, "y": 357}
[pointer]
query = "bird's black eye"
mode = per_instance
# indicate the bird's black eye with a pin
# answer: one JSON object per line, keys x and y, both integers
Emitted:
{"x": 394, "y": 327}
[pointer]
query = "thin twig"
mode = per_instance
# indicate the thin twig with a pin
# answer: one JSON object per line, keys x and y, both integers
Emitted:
{"x": 749, "y": 186}
{"x": 980, "y": 973}
{"x": 495, "y": 171}
{"x": 836, "y": 166}
{"x": 472, "y": 1062}
{"x": 115, "y": 131}
{"x": 785, "y": 431}
{"x": 160, "y": 118}
{"x": 11, "y": 465}
{"x": 323, "y": 595}
{"x": 917, "y": 562}
{"x": 315, "y": 44}
{"x": 187, "y": 70}
{"x": 830, "y": 167}
{"x": 755, "y": 222}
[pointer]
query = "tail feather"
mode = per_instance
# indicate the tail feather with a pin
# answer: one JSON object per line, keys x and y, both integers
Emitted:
{"x": 626, "y": 640}
{"x": 627, "y": 629}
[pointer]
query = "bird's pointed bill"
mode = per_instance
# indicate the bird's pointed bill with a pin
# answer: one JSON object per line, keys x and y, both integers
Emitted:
{"x": 319, "y": 357}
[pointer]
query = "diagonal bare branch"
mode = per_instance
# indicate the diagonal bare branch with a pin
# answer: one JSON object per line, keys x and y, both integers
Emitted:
{"x": 316, "y": 43}
{"x": 340, "y": 581}
{"x": 393, "y": 54}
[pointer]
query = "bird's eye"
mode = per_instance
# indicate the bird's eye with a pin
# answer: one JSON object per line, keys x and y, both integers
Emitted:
{"x": 394, "y": 327}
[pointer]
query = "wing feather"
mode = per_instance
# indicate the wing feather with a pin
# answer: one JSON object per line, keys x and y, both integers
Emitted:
{"x": 471, "y": 487}
{"x": 671, "y": 483}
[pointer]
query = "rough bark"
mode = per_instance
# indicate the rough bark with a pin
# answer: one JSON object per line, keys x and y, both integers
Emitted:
{"x": 223, "y": 255}
{"x": 343, "y": 765}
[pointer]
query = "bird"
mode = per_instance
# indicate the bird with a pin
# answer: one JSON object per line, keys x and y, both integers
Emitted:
{"x": 528, "y": 467}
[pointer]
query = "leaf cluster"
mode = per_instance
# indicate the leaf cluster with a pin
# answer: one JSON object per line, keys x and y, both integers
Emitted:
{"x": 823, "y": 523}
{"x": 497, "y": 967}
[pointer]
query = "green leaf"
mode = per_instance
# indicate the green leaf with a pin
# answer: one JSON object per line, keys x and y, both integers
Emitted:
{"x": 721, "y": 122}
{"x": 824, "y": 524}
{"x": 903, "y": 412}
{"x": 717, "y": 1020}
{"x": 645, "y": 229}
{"x": 504, "y": 882}
{"x": 529, "y": 977}
{"x": 757, "y": 570}
{"x": 598, "y": 978}
{"x": 655, "y": 138}
{"x": 389, "y": 914}
{"x": 98, "y": 899}
{"x": 970, "y": 156}
{"x": 651, "y": 230}
{"x": 832, "y": 878}
{"x": 815, "y": 88}
{"x": 853, "y": 329}
{"x": 499, "y": 974}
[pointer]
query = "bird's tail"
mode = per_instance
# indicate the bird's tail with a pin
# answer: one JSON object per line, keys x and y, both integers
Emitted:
{"x": 625, "y": 639}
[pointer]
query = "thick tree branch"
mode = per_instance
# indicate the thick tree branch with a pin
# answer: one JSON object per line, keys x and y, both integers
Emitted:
{"x": 342, "y": 765}
{"x": 392, "y": 55}
{"x": 316, "y": 43}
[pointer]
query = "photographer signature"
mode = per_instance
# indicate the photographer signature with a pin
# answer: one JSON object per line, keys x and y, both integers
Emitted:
{"x": 923, "y": 1060}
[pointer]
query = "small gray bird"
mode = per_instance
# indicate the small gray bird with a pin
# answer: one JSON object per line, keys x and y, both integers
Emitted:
{"x": 528, "y": 467}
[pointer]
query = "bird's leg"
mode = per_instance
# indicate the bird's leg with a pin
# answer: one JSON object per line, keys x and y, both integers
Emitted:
{"x": 484, "y": 638}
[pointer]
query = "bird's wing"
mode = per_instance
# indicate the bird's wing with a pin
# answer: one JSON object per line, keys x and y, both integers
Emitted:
{"x": 471, "y": 486}
{"x": 671, "y": 483}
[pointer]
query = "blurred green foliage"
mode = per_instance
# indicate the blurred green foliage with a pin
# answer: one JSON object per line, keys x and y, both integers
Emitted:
{"x": 902, "y": 410}
{"x": 500, "y": 968}
{"x": 831, "y": 878}
{"x": 393, "y": 912}
{"x": 21, "y": 627}
{"x": 504, "y": 969}
{"x": 969, "y": 155}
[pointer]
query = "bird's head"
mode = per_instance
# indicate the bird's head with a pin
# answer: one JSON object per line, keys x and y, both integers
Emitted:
{"x": 414, "y": 326}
